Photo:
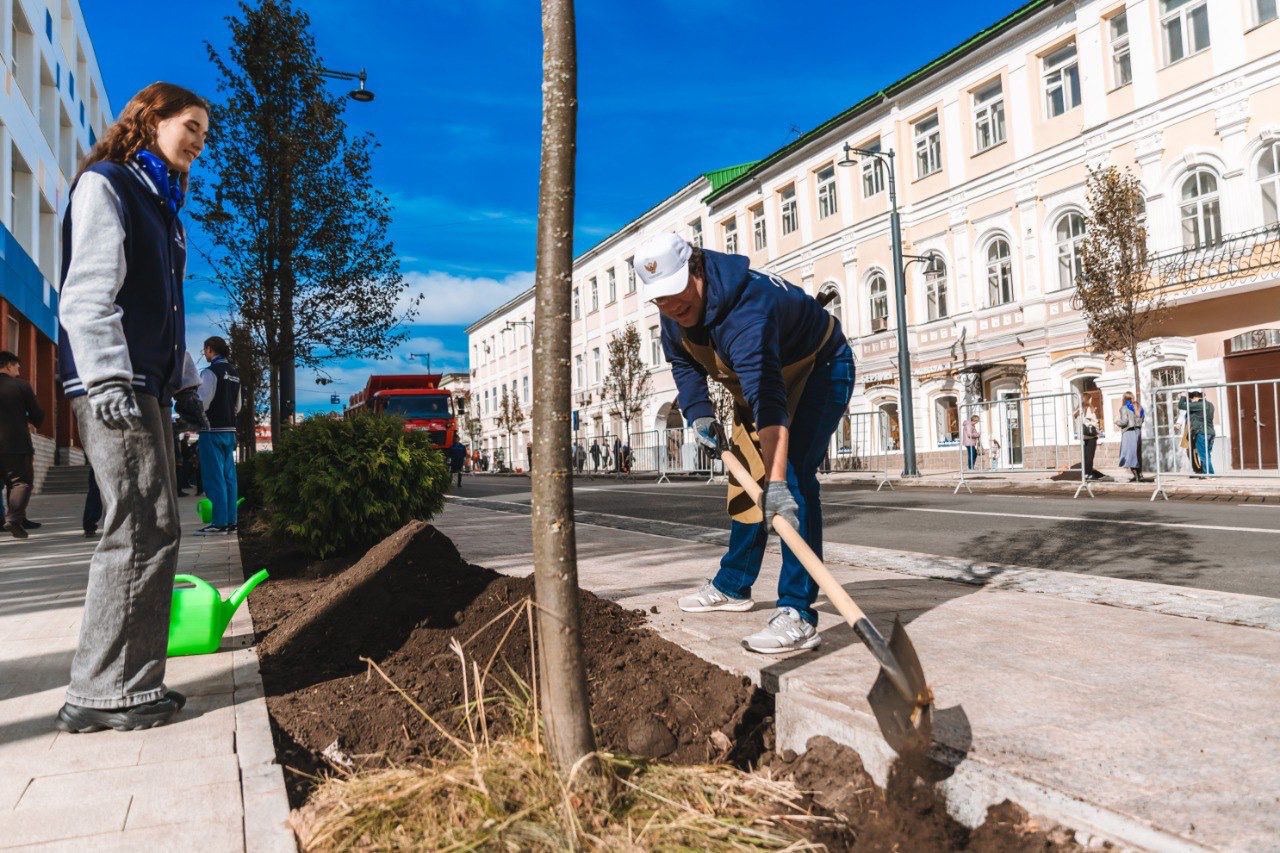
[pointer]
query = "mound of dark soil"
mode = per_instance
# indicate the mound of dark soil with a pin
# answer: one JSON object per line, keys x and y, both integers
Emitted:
{"x": 403, "y": 603}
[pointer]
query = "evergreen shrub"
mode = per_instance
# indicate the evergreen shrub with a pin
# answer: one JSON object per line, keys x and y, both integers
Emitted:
{"x": 335, "y": 485}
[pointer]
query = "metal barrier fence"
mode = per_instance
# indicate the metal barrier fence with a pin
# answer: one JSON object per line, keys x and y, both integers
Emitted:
{"x": 1231, "y": 430}
{"x": 1039, "y": 433}
{"x": 664, "y": 452}
{"x": 862, "y": 444}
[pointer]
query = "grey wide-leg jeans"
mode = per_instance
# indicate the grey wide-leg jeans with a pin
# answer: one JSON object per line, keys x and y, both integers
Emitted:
{"x": 125, "y": 630}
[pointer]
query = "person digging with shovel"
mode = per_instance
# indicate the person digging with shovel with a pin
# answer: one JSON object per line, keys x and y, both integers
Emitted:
{"x": 790, "y": 370}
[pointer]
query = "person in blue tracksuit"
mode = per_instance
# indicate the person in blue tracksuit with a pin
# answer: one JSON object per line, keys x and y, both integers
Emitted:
{"x": 789, "y": 369}
{"x": 216, "y": 446}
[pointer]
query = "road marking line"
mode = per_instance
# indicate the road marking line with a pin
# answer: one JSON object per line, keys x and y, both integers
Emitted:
{"x": 892, "y": 507}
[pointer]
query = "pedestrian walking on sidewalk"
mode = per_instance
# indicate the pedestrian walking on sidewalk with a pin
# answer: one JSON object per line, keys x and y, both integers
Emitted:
{"x": 220, "y": 397}
{"x": 789, "y": 369}
{"x": 20, "y": 415}
{"x": 579, "y": 457}
{"x": 1087, "y": 428}
{"x": 122, "y": 348}
{"x": 1200, "y": 422}
{"x": 457, "y": 460}
{"x": 1129, "y": 422}
{"x": 971, "y": 439}
{"x": 595, "y": 456}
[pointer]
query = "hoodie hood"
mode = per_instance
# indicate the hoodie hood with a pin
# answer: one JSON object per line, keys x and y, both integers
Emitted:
{"x": 727, "y": 275}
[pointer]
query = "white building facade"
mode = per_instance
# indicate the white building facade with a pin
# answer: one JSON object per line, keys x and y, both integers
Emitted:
{"x": 993, "y": 144}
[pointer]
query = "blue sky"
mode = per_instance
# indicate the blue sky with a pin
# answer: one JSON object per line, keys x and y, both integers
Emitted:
{"x": 667, "y": 89}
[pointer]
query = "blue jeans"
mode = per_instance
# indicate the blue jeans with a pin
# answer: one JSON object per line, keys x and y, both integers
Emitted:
{"x": 972, "y": 452}
{"x": 822, "y": 404}
{"x": 218, "y": 472}
{"x": 1204, "y": 447}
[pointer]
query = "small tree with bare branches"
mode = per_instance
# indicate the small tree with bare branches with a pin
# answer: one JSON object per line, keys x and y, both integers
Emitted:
{"x": 1114, "y": 288}
{"x": 509, "y": 418}
{"x": 629, "y": 379}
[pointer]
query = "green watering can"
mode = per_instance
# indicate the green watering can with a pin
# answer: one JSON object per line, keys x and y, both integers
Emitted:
{"x": 204, "y": 506}
{"x": 199, "y": 616}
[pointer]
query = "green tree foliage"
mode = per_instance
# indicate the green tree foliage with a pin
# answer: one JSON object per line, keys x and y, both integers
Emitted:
{"x": 299, "y": 231}
{"x": 334, "y": 485}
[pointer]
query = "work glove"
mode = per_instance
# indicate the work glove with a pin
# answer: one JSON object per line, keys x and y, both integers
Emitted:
{"x": 704, "y": 432}
{"x": 188, "y": 406}
{"x": 778, "y": 501}
{"x": 114, "y": 406}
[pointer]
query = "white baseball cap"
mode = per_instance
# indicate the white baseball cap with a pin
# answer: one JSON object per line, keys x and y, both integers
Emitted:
{"x": 662, "y": 264}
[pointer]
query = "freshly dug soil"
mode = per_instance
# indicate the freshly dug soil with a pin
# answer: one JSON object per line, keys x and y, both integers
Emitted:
{"x": 315, "y": 620}
{"x": 909, "y": 814}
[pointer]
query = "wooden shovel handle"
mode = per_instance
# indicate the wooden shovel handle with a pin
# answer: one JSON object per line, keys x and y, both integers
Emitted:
{"x": 826, "y": 581}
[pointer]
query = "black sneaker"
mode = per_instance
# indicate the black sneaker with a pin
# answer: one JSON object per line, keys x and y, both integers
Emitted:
{"x": 18, "y": 531}
{"x": 90, "y": 532}
{"x": 31, "y": 525}
{"x": 231, "y": 528}
{"x": 75, "y": 719}
{"x": 211, "y": 530}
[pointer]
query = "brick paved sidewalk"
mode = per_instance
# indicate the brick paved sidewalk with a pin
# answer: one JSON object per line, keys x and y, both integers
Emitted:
{"x": 207, "y": 781}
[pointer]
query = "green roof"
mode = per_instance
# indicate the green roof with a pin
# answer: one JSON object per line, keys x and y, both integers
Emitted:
{"x": 970, "y": 44}
{"x": 722, "y": 177}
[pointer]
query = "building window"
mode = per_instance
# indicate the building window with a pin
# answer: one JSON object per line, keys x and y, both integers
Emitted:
{"x": 1121, "y": 67}
{"x": 578, "y": 369}
{"x": 1061, "y": 81}
{"x": 988, "y": 116}
{"x": 935, "y": 287}
{"x": 1201, "y": 214}
{"x": 1168, "y": 377}
{"x": 595, "y": 365}
{"x": 655, "y": 345}
{"x": 613, "y": 286}
{"x": 928, "y": 146}
{"x": 731, "y": 237}
{"x": 1263, "y": 11}
{"x": 947, "y": 419}
{"x": 1185, "y": 25}
{"x": 872, "y": 172}
{"x": 1269, "y": 183}
{"x": 879, "y": 294}
{"x": 790, "y": 215}
{"x": 1069, "y": 234}
{"x": 577, "y": 304}
{"x": 695, "y": 232}
{"x": 631, "y": 274}
{"x": 595, "y": 294}
{"x": 826, "y": 192}
{"x": 48, "y": 25}
{"x": 833, "y": 307}
{"x": 525, "y": 388}
{"x": 999, "y": 273}
{"x": 759, "y": 237}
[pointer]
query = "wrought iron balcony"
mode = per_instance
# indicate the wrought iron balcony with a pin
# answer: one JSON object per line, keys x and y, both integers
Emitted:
{"x": 1235, "y": 259}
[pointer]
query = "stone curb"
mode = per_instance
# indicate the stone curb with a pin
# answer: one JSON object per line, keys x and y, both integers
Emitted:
{"x": 1251, "y": 611}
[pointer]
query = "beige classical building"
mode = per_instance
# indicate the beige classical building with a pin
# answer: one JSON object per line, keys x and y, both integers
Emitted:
{"x": 993, "y": 143}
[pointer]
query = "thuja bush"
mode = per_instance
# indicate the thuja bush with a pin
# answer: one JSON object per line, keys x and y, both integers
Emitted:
{"x": 334, "y": 485}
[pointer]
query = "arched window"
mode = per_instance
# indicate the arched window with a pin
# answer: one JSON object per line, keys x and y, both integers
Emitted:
{"x": 833, "y": 294}
{"x": 889, "y": 432}
{"x": 879, "y": 294}
{"x": 935, "y": 287}
{"x": 999, "y": 272}
{"x": 1068, "y": 234}
{"x": 947, "y": 418}
{"x": 1201, "y": 214}
{"x": 1268, "y": 175}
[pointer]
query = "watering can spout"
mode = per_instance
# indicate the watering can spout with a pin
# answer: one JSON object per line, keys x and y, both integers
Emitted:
{"x": 237, "y": 598}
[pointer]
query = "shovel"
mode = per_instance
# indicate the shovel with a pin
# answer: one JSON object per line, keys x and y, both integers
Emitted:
{"x": 900, "y": 698}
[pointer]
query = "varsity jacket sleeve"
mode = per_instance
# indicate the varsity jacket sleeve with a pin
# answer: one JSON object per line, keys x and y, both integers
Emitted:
{"x": 691, "y": 379}
{"x": 87, "y": 303}
{"x": 208, "y": 387}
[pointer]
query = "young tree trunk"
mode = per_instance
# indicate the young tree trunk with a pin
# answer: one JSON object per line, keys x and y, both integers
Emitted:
{"x": 1137, "y": 379}
{"x": 562, "y": 675}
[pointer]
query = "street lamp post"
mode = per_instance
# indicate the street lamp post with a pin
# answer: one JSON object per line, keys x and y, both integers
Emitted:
{"x": 360, "y": 93}
{"x": 905, "y": 406}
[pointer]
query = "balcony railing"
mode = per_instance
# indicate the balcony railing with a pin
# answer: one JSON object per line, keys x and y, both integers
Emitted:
{"x": 1235, "y": 259}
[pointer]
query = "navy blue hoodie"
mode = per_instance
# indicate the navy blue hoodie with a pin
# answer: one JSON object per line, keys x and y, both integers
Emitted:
{"x": 757, "y": 323}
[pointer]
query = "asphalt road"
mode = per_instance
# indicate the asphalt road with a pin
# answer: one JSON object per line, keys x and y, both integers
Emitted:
{"x": 1221, "y": 546}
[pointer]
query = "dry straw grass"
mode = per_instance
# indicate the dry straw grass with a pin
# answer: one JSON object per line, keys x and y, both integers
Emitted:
{"x": 504, "y": 794}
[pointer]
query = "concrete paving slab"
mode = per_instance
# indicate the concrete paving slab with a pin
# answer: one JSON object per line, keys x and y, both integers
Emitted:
{"x": 1126, "y": 724}
{"x": 204, "y": 782}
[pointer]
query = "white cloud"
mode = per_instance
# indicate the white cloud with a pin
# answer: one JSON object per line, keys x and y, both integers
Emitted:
{"x": 450, "y": 300}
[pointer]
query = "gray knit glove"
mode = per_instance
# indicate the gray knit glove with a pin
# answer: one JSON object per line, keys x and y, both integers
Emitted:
{"x": 114, "y": 405}
{"x": 778, "y": 501}
{"x": 704, "y": 432}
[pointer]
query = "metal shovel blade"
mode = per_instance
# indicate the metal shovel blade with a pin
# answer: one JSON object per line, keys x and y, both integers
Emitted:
{"x": 907, "y": 724}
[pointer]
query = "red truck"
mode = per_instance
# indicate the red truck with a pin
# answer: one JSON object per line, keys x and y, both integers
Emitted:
{"x": 418, "y": 398}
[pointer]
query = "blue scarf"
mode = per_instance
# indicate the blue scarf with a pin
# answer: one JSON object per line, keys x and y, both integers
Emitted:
{"x": 1128, "y": 404}
{"x": 158, "y": 172}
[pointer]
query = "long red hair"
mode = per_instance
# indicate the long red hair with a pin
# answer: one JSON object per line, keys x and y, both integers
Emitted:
{"x": 135, "y": 128}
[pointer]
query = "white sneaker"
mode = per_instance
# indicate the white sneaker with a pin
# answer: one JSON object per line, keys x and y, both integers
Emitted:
{"x": 786, "y": 632}
{"x": 708, "y": 598}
